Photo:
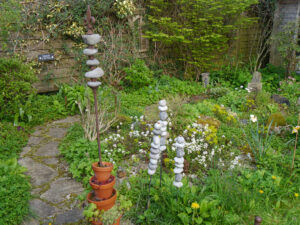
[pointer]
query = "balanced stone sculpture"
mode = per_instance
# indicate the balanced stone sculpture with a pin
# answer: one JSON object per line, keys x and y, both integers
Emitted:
{"x": 162, "y": 106}
{"x": 255, "y": 85}
{"x": 155, "y": 149}
{"x": 179, "y": 161}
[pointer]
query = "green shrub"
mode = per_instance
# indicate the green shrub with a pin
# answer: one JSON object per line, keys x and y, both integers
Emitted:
{"x": 12, "y": 140}
{"x": 16, "y": 80}
{"x": 277, "y": 119}
{"x": 138, "y": 75}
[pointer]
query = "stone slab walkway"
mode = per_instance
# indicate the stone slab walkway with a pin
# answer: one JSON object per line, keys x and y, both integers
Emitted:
{"x": 53, "y": 188}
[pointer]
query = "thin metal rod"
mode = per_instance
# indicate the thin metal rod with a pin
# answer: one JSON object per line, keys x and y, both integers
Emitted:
{"x": 97, "y": 125}
{"x": 148, "y": 202}
{"x": 161, "y": 165}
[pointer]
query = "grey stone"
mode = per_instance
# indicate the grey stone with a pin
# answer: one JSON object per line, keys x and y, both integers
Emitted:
{"x": 50, "y": 149}
{"x": 60, "y": 188}
{"x": 25, "y": 151}
{"x": 178, "y": 170}
{"x": 34, "y": 140}
{"x": 70, "y": 119}
{"x": 163, "y": 141}
{"x": 30, "y": 221}
{"x": 162, "y": 102}
{"x": 180, "y": 154}
{"x": 163, "y": 108}
{"x": 57, "y": 132}
{"x": 244, "y": 121}
{"x": 92, "y": 62}
{"x": 179, "y": 165}
{"x": 178, "y": 177}
{"x": 256, "y": 77}
{"x": 36, "y": 191}
{"x": 156, "y": 140}
{"x": 205, "y": 79}
{"x": 155, "y": 150}
{"x": 180, "y": 140}
{"x": 40, "y": 174}
{"x": 255, "y": 85}
{"x": 89, "y": 51}
{"x": 41, "y": 209}
{"x": 162, "y": 148}
{"x": 156, "y": 132}
{"x": 157, "y": 126}
{"x": 96, "y": 73}
{"x": 163, "y": 115}
{"x": 152, "y": 166}
{"x": 51, "y": 161}
{"x": 280, "y": 100}
{"x": 91, "y": 39}
{"x": 93, "y": 84}
{"x": 154, "y": 145}
{"x": 38, "y": 132}
{"x": 154, "y": 156}
{"x": 71, "y": 216}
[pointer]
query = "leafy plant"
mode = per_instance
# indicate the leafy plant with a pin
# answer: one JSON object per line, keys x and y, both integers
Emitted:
{"x": 16, "y": 84}
{"x": 138, "y": 74}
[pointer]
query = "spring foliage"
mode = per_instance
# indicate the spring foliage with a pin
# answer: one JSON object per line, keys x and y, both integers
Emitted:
{"x": 198, "y": 31}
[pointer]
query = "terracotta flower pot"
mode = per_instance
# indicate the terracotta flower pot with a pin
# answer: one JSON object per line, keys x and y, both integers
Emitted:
{"x": 104, "y": 204}
{"x": 103, "y": 191}
{"x": 102, "y": 173}
{"x": 117, "y": 222}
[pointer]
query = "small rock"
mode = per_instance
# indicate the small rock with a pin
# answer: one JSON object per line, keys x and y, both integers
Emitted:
{"x": 91, "y": 39}
{"x": 41, "y": 208}
{"x": 92, "y": 62}
{"x": 96, "y": 73}
{"x": 71, "y": 216}
{"x": 89, "y": 51}
{"x": 280, "y": 100}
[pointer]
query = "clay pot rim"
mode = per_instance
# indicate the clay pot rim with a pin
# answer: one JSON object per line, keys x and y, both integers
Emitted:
{"x": 102, "y": 186}
{"x": 108, "y": 166}
{"x": 102, "y": 202}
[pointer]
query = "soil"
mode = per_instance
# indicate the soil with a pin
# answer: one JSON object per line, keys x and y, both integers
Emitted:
{"x": 110, "y": 179}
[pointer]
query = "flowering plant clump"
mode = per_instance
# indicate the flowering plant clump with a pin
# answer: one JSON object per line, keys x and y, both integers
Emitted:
{"x": 224, "y": 115}
{"x": 124, "y": 8}
{"x": 203, "y": 149}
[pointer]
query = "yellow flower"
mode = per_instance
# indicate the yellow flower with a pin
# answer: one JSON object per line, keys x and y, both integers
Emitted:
{"x": 274, "y": 177}
{"x": 195, "y": 205}
{"x": 295, "y": 129}
{"x": 296, "y": 195}
{"x": 261, "y": 191}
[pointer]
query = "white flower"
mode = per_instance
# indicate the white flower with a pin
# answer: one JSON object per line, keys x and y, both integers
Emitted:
{"x": 241, "y": 86}
{"x": 253, "y": 118}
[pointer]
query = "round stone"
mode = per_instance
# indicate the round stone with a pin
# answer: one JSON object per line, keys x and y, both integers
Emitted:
{"x": 152, "y": 166}
{"x": 180, "y": 140}
{"x": 91, "y": 39}
{"x": 163, "y": 108}
{"x": 92, "y": 62}
{"x": 154, "y": 156}
{"x": 163, "y": 115}
{"x": 162, "y": 102}
{"x": 178, "y": 170}
{"x": 177, "y": 184}
{"x": 156, "y": 140}
{"x": 93, "y": 84}
{"x": 164, "y": 134}
{"x": 163, "y": 129}
{"x": 157, "y": 126}
{"x": 153, "y": 161}
{"x": 179, "y": 154}
{"x": 179, "y": 165}
{"x": 178, "y": 177}
{"x": 155, "y": 150}
{"x": 151, "y": 172}
{"x": 163, "y": 141}
{"x": 154, "y": 145}
{"x": 178, "y": 160}
{"x": 179, "y": 145}
{"x": 156, "y": 132}
{"x": 162, "y": 148}
{"x": 96, "y": 73}
{"x": 89, "y": 51}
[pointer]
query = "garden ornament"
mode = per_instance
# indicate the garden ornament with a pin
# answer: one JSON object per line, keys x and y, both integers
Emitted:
{"x": 162, "y": 106}
{"x": 95, "y": 72}
{"x": 205, "y": 79}
{"x": 179, "y": 161}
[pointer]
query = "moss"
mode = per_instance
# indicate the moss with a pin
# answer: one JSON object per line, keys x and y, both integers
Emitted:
{"x": 277, "y": 120}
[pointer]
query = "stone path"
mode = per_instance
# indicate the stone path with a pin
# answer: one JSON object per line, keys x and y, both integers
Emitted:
{"x": 53, "y": 188}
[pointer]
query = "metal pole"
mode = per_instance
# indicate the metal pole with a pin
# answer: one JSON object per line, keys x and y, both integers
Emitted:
{"x": 97, "y": 126}
{"x": 161, "y": 165}
{"x": 148, "y": 202}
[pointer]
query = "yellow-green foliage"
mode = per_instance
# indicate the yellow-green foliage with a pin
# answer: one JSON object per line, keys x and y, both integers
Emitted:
{"x": 208, "y": 120}
{"x": 210, "y": 134}
{"x": 277, "y": 119}
{"x": 223, "y": 115}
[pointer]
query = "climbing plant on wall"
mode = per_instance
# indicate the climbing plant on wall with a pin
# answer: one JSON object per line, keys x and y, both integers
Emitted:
{"x": 198, "y": 31}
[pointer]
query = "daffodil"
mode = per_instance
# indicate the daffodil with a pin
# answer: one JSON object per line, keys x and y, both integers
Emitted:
{"x": 274, "y": 177}
{"x": 296, "y": 195}
{"x": 295, "y": 129}
{"x": 195, "y": 205}
{"x": 261, "y": 191}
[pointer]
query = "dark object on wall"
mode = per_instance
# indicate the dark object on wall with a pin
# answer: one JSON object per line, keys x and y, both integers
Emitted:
{"x": 46, "y": 57}
{"x": 280, "y": 100}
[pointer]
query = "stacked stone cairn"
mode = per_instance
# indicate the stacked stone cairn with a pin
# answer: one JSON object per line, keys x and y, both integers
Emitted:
{"x": 91, "y": 40}
{"x": 155, "y": 149}
{"x": 179, "y": 161}
{"x": 162, "y": 106}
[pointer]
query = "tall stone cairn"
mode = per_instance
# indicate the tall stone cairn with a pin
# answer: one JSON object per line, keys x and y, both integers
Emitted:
{"x": 162, "y": 106}
{"x": 91, "y": 40}
{"x": 179, "y": 161}
{"x": 155, "y": 149}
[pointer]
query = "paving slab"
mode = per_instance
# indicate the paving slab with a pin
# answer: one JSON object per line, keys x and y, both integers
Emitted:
{"x": 34, "y": 140}
{"x": 41, "y": 209}
{"x": 49, "y": 149}
{"x": 69, "y": 120}
{"x": 25, "y": 151}
{"x": 30, "y": 221}
{"x": 71, "y": 216}
{"x": 51, "y": 161}
{"x": 57, "y": 132}
{"x": 61, "y": 188}
{"x": 40, "y": 174}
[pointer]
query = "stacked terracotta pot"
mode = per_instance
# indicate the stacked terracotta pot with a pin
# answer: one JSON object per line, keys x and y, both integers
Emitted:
{"x": 104, "y": 195}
